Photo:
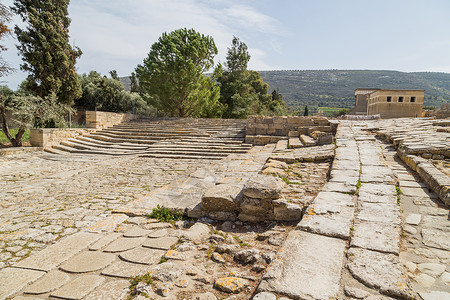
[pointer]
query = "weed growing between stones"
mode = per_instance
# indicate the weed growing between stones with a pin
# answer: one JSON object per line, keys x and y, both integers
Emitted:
{"x": 146, "y": 278}
{"x": 163, "y": 214}
{"x": 399, "y": 191}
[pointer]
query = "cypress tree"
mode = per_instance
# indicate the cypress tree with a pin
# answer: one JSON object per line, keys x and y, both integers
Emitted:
{"x": 44, "y": 45}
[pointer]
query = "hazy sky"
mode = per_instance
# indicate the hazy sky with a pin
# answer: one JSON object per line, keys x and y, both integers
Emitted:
{"x": 403, "y": 35}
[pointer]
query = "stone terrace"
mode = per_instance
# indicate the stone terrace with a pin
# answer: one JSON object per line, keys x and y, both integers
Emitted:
{"x": 370, "y": 227}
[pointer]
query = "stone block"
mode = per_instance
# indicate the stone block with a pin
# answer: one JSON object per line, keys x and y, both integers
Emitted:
{"x": 280, "y": 120}
{"x": 79, "y": 287}
{"x": 261, "y": 131}
{"x": 263, "y": 187}
{"x": 294, "y": 120}
{"x": 250, "y": 131}
{"x": 14, "y": 279}
{"x": 308, "y": 266}
{"x": 293, "y": 133}
{"x": 285, "y": 211}
{"x": 221, "y": 197}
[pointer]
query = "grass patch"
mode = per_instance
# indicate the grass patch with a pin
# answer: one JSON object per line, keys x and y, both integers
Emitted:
{"x": 13, "y": 131}
{"x": 358, "y": 184}
{"x": 164, "y": 215}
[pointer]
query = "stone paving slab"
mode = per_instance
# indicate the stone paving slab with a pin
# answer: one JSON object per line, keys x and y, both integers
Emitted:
{"x": 381, "y": 271}
{"x": 108, "y": 224}
{"x": 162, "y": 243}
{"x": 308, "y": 266}
{"x": 142, "y": 255}
{"x": 117, "y": 289}
{"x": 13, "y": 280}
{"x": 376, "y": 236}
{"x": 47, "y": 283}
{"x": 54, "y": 255}
{"x": 79, "y": 287}
{"x": 331, "y": 215}
{"x": 104, "y": 241}
{"x": 124, "y": 244}
{"x": 388, "y": 213}
{"x": 87, "y": 261}
{"x": 123, "y": 269}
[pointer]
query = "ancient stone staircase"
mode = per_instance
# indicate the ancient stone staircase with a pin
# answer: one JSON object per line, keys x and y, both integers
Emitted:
{"x": 163, "y": 138}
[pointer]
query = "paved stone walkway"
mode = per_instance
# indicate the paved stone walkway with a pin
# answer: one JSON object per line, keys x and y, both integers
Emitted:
{"x": 44, "y": 197}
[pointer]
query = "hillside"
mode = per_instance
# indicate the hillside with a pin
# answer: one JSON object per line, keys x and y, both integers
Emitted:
{"x": 335, "y": 88}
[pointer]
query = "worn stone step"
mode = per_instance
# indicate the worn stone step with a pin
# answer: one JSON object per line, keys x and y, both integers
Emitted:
{"x": 110, "y": 146}
{"x": 181, "y": 156}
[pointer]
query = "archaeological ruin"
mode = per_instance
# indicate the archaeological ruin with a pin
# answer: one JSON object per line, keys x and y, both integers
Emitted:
{"x": 263, "y": 208}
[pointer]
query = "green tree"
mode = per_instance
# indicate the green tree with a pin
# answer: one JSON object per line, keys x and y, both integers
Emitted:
{"x": 134, "y": 86}
{"x": 44, "y": 45}
{"x": 114, "y": 74}
{"x": 172, "y": 74}
{"x": 242, "y": 91}
{"x": 28, "y": 111}
{"x": 306, "y": 112}
{"x": 108, "y": 94}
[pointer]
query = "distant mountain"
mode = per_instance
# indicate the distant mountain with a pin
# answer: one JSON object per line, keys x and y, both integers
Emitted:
{"x": 335, "y": 88}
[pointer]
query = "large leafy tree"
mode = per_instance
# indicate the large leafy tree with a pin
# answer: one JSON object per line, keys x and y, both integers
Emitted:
{"x": 108, "y": 94}
{"x": 172, "y": 75}
{"x": 44, "y": 45}
{"x": 242, "y": 91}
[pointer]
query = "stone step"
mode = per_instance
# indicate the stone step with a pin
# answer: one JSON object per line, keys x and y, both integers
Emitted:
{"x": 101, "y": 152}
{"x": 307, "y": 140}
{"x": 181, "y": 156}
{"x": 187, "y": 152}
{"x": 112, "y": 146}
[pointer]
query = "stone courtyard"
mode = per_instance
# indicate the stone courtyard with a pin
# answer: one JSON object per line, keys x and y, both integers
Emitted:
{"x": 361, "y": 218}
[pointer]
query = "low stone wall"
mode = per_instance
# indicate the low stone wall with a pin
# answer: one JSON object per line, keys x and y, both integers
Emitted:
{"x": 47, "y": 137}
{"x": 262, "y": 130}
{"x": 438, "y": 181}
{"x": 102, "y": 119}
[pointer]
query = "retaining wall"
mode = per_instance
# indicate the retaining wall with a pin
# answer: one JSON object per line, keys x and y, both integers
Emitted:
{"x": 262, "y": 130}
{"x": 102, "y": 119}
{"x": 438, "y": 181}
{"x": 47, "y": 137}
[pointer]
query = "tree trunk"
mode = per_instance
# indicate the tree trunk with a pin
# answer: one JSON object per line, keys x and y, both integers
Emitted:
{"x": 17, "y": 140}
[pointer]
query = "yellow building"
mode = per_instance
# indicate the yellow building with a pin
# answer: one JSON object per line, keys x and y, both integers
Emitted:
{"x": 389, "y": 103}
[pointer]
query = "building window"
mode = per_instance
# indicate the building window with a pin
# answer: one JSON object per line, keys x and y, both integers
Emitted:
{"x": 413, "y": 99}
{"x": 400, "y": 99}
{"x": 389, "y": 98}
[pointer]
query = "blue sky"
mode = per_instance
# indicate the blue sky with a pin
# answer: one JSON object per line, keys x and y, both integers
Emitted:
{"x": 403, "y": 35}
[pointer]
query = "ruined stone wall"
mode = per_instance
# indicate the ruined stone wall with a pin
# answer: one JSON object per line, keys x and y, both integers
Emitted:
{"x": 47, "y": 137}
{"x": 102, "y": 119}
{"x": 264, "y": 130}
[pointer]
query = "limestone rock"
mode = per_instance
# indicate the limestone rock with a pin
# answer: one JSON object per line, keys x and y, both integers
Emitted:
{"x": 232, "y": 285}
{"x": 221, "y": 197}
{"x": 247, "y": 256}
{"x": 88, "y": 261}
{"x": 432, "y": 269}
{"x": 435, "y": 295}
{"x": 265, "y": 296}
{"x": 79, "y": 287}
{"x": 167, "y": 272}
{"x": 263, "y": 187}
{"x": 206, "y": 296}
{"x": 285, "y": 211}
{"x": 197, "y": 233}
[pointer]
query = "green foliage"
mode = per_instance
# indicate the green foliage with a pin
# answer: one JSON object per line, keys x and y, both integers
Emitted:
{"x": 30, "y": 111}
{"x": 242, "y": 91}
{"x": 108, "y": 94}
{"x": 134, "y": 86}
{"x": 333, "y": 111}
{"x": 146, "y": 278}
{"x": 399, "y": 192}
{"x": 164, "y": 215}
{"x": 172, "y": 75}
{"x": 47, "y": 54}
